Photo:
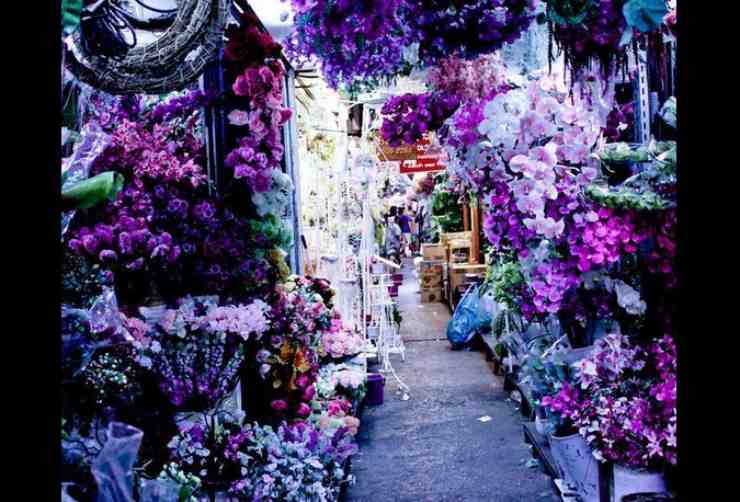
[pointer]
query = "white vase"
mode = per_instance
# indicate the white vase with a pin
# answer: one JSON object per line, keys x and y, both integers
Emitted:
{"x": 627, "y": 481}
{"x": 577, "y": 464}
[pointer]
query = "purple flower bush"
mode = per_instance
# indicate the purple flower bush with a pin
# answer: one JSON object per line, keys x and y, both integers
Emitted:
{"x": 408, "y": 117}
{"x": 623, "y": 401}
{"x": 528, "y": 154}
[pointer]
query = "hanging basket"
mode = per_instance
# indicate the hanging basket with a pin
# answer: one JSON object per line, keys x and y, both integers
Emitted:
{"x": 170, "y": 63}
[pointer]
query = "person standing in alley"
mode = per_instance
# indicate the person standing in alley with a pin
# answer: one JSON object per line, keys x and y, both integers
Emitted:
{"x": 404, "y": 221}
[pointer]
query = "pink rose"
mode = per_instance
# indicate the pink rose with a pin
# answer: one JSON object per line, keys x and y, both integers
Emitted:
{"x": 279, "y": 405}
{"x": 238, "y": 118}
{"x": 303, "y": 410}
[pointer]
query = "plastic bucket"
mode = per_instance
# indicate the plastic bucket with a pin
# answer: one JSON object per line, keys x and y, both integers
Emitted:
{"x": 630, "y": 481}
{"x": 375, "y": 389}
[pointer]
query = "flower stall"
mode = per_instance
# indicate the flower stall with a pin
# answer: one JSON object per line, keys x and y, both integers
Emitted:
{"x": 231, "y": 262}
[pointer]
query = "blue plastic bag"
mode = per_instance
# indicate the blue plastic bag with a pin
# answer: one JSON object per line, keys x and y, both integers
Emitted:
{"x": 470, "y": 317}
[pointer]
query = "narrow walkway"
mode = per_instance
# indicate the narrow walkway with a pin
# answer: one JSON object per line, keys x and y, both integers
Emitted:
{"x": 433, "y": 447}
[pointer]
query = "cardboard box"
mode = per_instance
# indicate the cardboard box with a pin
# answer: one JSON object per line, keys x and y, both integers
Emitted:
{"x": 431, "y": 295}
{"x": 432, "y": 267}
{"x": 430, "y": 280}
{"x": 434, "y": 251}
{"x": 458, "y": 271}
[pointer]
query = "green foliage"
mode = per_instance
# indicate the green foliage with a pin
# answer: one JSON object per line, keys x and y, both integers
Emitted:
{"x": 93, "y": 191}
{"x": 274, "y": 230}
{"x": 71, "y": 11}
{"x": 643, "y": 190}
{"x": 504, "y": 279}
{"x": 446, "y": 212}
{"x": 568, "y": 11}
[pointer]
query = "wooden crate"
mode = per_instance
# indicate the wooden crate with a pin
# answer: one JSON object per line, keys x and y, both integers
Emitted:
{"x": 431, "y": 295}
{"x": 432, "y": 267}
{"x": 434, "y": 251}
{"x": 430, "y": 280}
{"x": 445, "y": 238}
{"x": 458, "y": 271}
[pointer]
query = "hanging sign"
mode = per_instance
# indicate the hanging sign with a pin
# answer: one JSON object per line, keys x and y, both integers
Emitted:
{"x": 430, "y": 157}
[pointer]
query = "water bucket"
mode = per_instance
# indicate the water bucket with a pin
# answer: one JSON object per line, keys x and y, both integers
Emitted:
{"x": 577, "y": 465}
{"x": 375, "y": 389}
{"x": 393, "y": 290}
{"x": 629, "y": 481}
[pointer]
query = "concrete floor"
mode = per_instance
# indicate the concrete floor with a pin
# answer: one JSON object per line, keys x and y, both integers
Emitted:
{"x": 433, "y": 447}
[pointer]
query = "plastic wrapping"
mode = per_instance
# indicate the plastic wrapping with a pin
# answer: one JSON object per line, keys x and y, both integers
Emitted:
{"x": 469, "y": 318}
{"x": 77, "y": 168}
{"x": 159, "y": 490}
{"x": 113, "y": 467}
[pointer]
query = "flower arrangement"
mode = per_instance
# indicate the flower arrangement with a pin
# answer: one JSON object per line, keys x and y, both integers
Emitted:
{"x": 408, "y": 117}
{"x": 624, "y": 402}
{"x": 353, "y": 40}
{"x": 164, "y": 227}
{"x": 341, "y": 380}
{"x": 470, "y": 80}
{"x": 197, "y": 350}
{"x": 335, "y": 414}
{"x": 340, "y": 342}
{"x": 465, "y": 28}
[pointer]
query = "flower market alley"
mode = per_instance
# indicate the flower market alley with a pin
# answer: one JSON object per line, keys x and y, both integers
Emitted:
{"x": 439, "y": 445}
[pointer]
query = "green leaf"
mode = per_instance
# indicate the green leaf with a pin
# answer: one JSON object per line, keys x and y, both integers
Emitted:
{"x": 71, "y": 11}
{"x": 93, "y": 191}
{"x": 645, "y": 15}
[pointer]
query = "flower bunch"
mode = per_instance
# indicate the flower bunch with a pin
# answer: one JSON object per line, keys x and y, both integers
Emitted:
{"x": 197, "y": 350}
{"x": 465, "y": 28}
{"x": 408, "y": 117}
{"x": 425, "y": 185}
{"x": 295, "y": 462}
{"x": 352, "y": 40}
{"x": 340, "y": 342}
{"x": 624, "y": 401}
{"x": 335, "y": 414}
{"x": 479, "y": 78}
{"x": 341, "y": 380}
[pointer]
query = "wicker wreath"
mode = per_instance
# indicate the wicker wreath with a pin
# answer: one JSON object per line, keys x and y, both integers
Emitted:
{"x": 174, "y": 60}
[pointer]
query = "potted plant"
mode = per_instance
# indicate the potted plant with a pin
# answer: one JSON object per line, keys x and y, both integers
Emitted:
{"x": 624, "y": 406}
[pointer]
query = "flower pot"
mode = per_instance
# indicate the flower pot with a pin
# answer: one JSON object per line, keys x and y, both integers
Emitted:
{"x": 543, "y": 426}
{"x": 627, "y": 481}
{"x": 577, "y": 465}
{"x": 375, "y": 389}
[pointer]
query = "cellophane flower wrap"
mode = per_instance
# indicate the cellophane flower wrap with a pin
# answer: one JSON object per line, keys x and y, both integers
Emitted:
{"x": 623, "y": 401}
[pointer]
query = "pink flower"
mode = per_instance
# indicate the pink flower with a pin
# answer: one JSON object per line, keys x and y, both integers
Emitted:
{"x": 279, "y": 405}
{"x": 238, "y": 118}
